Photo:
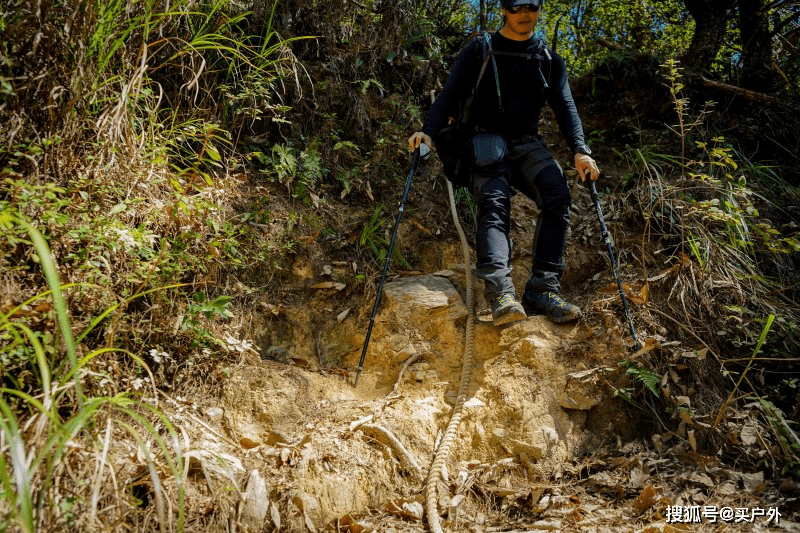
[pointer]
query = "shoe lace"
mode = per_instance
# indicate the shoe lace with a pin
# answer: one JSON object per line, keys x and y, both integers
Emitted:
{"x": 557, "y": 300}
{"x": 504, "y": 299}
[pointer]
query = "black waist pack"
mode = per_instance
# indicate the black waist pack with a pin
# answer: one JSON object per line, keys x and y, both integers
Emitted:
{"x": 490, "y": 153}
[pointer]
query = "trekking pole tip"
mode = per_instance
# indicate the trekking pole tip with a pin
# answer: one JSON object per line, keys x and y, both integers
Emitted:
{"x": 358, "y": 375}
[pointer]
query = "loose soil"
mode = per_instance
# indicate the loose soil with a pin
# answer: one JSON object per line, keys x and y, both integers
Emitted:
{"x": 548, "y": 441}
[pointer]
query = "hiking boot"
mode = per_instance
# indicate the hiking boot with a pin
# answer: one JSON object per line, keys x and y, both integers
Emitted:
{"x": 550, "y": 304}
{"x": 505, "y": 309}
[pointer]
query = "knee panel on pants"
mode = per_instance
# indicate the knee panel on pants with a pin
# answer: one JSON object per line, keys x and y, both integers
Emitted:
{"x": 553, "y": 190}
{"x": 494, "y": 204}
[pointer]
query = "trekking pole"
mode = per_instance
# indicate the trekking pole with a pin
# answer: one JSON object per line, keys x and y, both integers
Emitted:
{"x": 636, "y": 344}
{"x": 415, "y": 158}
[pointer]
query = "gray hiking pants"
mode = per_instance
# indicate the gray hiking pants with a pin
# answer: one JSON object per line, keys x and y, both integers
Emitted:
{"x": 528, "y": 167}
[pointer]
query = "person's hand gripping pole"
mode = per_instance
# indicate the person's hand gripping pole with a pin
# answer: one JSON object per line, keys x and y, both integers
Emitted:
{"x": 586, "y": 167}
{"x": 417, "y": 139}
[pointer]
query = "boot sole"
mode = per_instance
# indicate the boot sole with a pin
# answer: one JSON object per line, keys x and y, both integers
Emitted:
{"x": 557, "y": 320}
{"x": 513, "y": 315}
{"x": 564, "y": 319}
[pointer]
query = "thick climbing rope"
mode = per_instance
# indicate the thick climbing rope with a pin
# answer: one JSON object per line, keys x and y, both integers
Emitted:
{"x": 443, "y": 451}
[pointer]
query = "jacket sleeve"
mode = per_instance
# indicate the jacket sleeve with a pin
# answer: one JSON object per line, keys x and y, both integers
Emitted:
{"x": 559, "y": 96}
{"x": 460, "y": 83}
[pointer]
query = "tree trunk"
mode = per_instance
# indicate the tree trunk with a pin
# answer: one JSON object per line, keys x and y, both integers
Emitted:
{"x": 711, "y": 21}
{"x": 757, "y": 72}
{"x": 483, "y": 19}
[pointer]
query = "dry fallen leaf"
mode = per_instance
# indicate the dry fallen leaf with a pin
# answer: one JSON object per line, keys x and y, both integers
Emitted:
{"x": 308, "y": 239}
{"x": 248, "y": 444}
{"x": 696, "y": 354}
{"x": 650, "y": 344}
{"x": 644, "y": 293}
{"x": 646, "y": 499}
{"x": 329, "y": 285}
{"x": 701, "y": 479}
{"x": 348, "y": 524}
{"x": 407, "y": 510}
{"x": 276, "y": 515}
{"x": 749, "y": 434}
{"x": 302, "y": 363}
{"x": 638, "y": 477}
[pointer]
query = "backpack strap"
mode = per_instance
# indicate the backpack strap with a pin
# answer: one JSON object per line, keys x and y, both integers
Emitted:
{"x": 488, "y": 53}
{"x": 541, "y": 53}
{"x": 491, "y": 53}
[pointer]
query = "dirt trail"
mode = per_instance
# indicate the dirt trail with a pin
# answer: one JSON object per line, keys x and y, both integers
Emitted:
{"x": 547, "y": 443}
{"x": 340, "y": 439}
{"x": 544, "y": 443}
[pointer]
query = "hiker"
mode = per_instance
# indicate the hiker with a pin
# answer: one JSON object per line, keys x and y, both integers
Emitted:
{"x": 509, "y": 153}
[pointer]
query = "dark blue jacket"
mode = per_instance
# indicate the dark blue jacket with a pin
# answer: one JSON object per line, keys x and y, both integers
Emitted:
{"x": 522, "y": 92}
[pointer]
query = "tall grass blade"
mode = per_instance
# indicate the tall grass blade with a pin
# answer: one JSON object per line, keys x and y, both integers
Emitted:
{"x": 761, "y": 339}
{"x": 19, "y": 495}
{"x": 59, "y": 302}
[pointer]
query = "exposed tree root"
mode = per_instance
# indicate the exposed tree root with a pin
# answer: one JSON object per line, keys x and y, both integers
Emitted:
{"x": 385, "y": 436}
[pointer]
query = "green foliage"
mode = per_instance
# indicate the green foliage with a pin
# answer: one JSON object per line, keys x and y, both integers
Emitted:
{"x": 208, "y": 309}
{"x": 311, "y": 172}
{"x": 705, "y": 201}
{"x": 663, "y": 29}
{"x": 284, "y": 163}
{"x": 372, "y": 235}
{"x": 300, "y": 171}
{"x": 721, "y": 201}
{"x": 786, "y": 431}
{"x": 38, "y": 445}
{"x": 643, "y": 376}
{"x": 463, "y": 196}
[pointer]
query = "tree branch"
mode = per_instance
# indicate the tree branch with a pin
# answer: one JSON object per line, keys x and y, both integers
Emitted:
{"x": 785, "y": 22}
{"x": 753, "y": 96}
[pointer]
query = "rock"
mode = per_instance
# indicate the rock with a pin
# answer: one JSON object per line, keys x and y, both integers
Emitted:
{"x": 525, "y": 450}
{"x": 256, "y": 500}
{"x": 546, "y": 525}
{"x": 450, "y": 397}
{"x": 577, "y": 401}
{"x": 215, "y": 463}
{"x": 426, "y": 375}
{"x": 474, "y": 402}
{"x": 550, "y": 435}
{"x": 309, "y": 507}
{"x": 277, "y": 353}
{"x": 751, "y": 482}
{"x": 422, "y": 298}
{"x": 215, "y": 413}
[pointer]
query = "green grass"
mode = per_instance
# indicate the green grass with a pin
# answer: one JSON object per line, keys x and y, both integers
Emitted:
{"x": 42, "y": 427}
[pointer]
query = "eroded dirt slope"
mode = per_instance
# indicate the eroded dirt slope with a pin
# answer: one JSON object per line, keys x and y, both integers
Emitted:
{"x": 545, "y": 442}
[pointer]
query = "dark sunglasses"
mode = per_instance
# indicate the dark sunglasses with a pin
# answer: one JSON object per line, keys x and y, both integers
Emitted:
{"x": 527, "y": 7}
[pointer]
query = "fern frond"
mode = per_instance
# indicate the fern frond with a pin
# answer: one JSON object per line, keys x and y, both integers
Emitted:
{"x": 649, "y": 379}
